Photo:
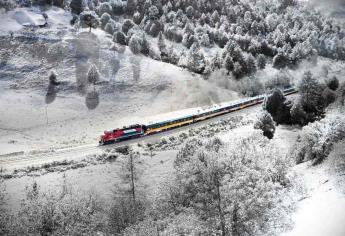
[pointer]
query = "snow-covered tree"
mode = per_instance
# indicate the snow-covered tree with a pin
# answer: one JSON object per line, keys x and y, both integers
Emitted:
{"x": 77, "y": 6}
{"x": 89, "y": 19}
{"x": 52, "y": 78}
{"x": 153, "y": 12}
{"x": 190, "y": 12}
{"x": 120, "y": 38}
{"x": 229, "y": 63}
{"x": 205, "y": 40}
{"x": 105, "y": 19}
{"x": 145, "y": 45}
{"x": 109, "y": 28}
{"x": 127, "y": 25}
{"x": 135, "y": 44}
{"x": 333, "y": 83}
{"x": 261, "y": 62}
{"x": 311, "y": 94}
{"x": 196, "y": 60}
{"x": 162, "y": 47}
{"x": 104, "y": 7}
{"x": 281, "y": 60}
{"x": 266, "y": 124}
{"x": 131, "y": 7}
{"x": 278, "y": 106}
{"x": 93, "y": 74}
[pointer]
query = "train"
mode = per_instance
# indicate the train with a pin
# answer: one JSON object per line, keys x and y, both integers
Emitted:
{"x": 139, "y": 130}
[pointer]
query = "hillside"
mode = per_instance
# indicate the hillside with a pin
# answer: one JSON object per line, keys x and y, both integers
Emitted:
{"x": 71, "y": 69}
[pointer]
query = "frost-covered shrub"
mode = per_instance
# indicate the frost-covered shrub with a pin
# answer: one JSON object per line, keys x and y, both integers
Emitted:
{"x": 317, "y": 139}
{"x": 62, "y": 212}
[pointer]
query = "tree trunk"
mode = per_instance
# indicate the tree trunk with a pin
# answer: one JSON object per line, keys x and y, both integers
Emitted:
{"x": 234, "y": 221}
{"x": 219, "y": 206}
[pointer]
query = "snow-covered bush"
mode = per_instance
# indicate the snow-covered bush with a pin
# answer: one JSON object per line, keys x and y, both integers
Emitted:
{"x": 317, "y": 139}
{"x": 62, "y": 212}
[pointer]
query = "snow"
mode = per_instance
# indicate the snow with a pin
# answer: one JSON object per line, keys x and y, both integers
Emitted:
{"x": 322, "y": 211}
{"x": 30, "y": 17}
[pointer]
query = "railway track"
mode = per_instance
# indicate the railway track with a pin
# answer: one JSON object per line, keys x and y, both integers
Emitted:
{"x": 22, "y": 159}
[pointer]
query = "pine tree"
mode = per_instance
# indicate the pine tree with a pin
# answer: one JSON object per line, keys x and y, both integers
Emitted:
{"x": 93, "y": 74}
{"x": 261, "y": 62}
{"x": 162, "y": 47}
{"x": 229, "y": 64}
{"x": 196, "y": 60}
{"x": 145, "y": 46}
{"x": 135, "y": 44}
{"x": 311, "y": 94}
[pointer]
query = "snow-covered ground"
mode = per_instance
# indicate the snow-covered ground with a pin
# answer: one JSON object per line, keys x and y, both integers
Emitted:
{"x": 322, "y": 211}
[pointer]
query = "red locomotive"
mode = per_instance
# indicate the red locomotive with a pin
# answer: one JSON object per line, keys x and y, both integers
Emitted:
{"x": 133, "y": 131}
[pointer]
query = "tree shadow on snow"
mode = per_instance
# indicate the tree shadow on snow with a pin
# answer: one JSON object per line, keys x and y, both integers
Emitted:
{"x": 51, "y": 93}
{"x": 87, "y": 52}
{"x": 92, "y": 100}
{"x": 135, "y": 62}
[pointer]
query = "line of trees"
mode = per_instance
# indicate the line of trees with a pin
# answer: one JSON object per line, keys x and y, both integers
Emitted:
{"x": 213, "y": 190}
